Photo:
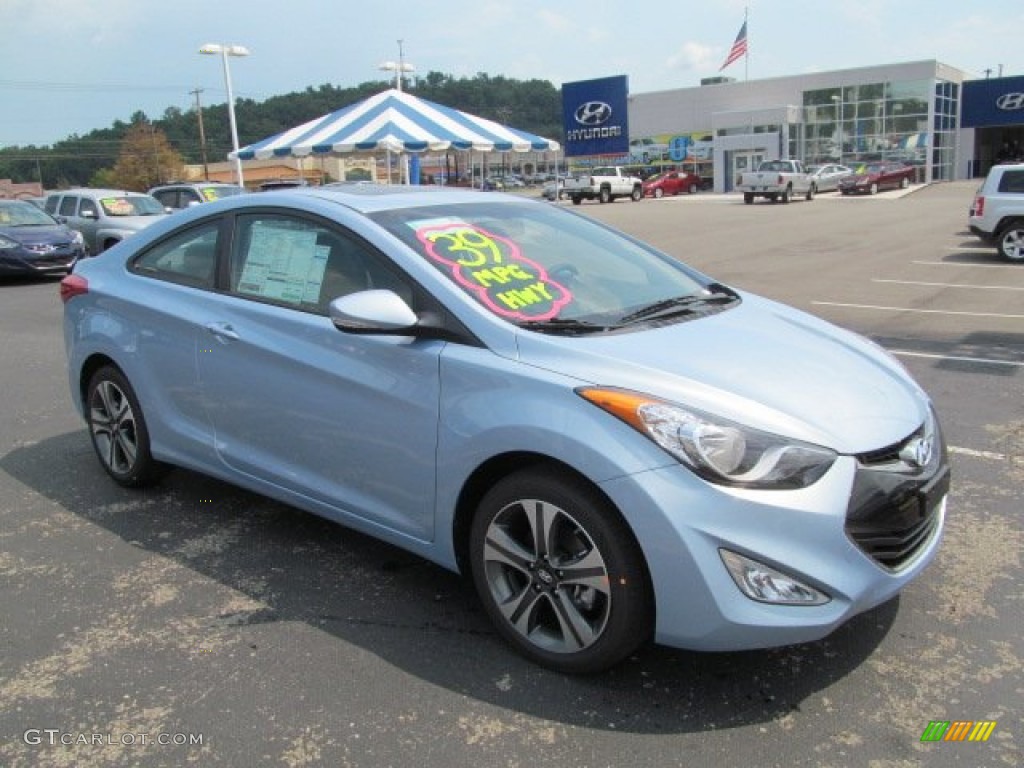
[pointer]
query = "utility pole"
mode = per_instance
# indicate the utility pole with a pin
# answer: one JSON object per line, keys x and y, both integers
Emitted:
{"x": 202, "y": 134}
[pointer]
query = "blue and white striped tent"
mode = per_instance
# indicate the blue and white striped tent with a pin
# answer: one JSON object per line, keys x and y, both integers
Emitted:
{"x": 398, "y": 122}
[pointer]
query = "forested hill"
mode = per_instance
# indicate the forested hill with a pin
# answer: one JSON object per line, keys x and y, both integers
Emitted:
{"x": 533, "y": 105}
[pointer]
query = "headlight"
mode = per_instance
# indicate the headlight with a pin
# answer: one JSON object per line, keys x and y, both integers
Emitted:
{"x": 6, "y": 244}
{"x": 76, "y": 237}
{"x": 717, "y": 449}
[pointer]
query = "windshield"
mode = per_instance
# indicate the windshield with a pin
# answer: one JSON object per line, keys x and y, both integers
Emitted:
{"x": 131, "y": 205}
{"x": 216, "y": 193}
{"x": 15, "y": 213}
{"x": 530, "y": 263}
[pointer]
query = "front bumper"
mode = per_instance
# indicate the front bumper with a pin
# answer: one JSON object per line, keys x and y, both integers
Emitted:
{"x": 24, "y": 262}
{"x": 811, "y": 534}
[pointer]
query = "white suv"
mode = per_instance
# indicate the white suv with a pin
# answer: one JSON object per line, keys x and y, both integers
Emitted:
{"x": 997, "y": 214}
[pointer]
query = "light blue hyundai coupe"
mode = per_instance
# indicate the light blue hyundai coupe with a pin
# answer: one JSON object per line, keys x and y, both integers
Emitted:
{"x": 614, "y": 447}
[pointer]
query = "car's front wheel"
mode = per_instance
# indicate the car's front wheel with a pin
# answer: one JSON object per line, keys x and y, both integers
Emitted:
{"x": 1011, "y": 242}
{"x": 118, "y": 429}
{"x": 559, "y": 572}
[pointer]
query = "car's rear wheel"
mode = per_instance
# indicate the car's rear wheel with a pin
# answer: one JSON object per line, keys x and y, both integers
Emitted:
{"x": 693, "y": 189}
{"x": 1011, "y": 242}
{"x": 873, "y": 189}
{"x": 605, "y": 195}
{"x": 118, "y": 429}
{"x": 810, "y": 193}
{"x": 577, "y": 200}
{"x": 785, "y": 195}
{"x": 748, "y": 198}
{"x": 559, "y": 572}
{"x": 637, "y": 195}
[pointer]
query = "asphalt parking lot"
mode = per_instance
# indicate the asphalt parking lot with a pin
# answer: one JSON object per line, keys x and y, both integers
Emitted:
{"x": 197, "y": 624}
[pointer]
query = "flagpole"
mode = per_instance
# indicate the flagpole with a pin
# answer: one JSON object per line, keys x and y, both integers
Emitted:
{"x": 746, "y": 59}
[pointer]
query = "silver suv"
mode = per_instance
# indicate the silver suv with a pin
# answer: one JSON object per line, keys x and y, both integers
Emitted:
{"x": 105, "y": 217}
{"x": 997, "y": 213}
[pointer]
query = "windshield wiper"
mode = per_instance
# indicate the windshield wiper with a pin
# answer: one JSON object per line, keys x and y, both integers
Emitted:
{"x": 677, "y": 305}
{"x": 564, "y": 325}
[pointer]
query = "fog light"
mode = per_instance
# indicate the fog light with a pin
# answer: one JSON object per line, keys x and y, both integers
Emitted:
{"x": 767, "y": 585}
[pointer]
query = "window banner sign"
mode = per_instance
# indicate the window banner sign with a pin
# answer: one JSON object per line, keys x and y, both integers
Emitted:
{"x": 998, "y": 101}
{"x": 594, "y": 117}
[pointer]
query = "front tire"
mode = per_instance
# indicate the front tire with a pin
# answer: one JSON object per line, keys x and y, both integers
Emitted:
{"x": 810, "y": 193}
{"x": 659, "y": 192}
{"x": 560, "y": 573}
{"x": 748, "y": 198}
{"x": 1011, "y": 242}
{"x": 904, "y": 182}
{"x": 605, "y": 195}
{"x": 786, "y": 193}
{"x": 873, "y": 190}
{"x": 118, "y": 430}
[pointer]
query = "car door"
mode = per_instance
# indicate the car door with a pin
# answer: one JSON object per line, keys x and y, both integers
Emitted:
{"x": 347, "y": 420}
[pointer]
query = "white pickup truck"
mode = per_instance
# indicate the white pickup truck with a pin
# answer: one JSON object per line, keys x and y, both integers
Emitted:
{"x": 604, "y": 184}
{"x": 777, "y": 180}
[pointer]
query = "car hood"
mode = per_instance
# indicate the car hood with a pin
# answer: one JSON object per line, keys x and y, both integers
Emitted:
{"x": 38, "y": 235}
{"x": 761, "y": 364}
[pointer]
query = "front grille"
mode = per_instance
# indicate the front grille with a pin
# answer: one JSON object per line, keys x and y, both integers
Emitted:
{"x": 894, "y": 507}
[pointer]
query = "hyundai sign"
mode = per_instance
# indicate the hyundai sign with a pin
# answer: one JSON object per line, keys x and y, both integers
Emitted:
{"x": 594, "y": 117}
{"x": 999, "y": 101}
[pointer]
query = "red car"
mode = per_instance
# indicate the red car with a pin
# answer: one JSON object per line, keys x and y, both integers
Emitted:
{"x": 869, "y": 178}
{"x": 671, "y": 183}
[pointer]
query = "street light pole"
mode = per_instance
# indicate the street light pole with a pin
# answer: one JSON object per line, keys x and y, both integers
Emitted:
{"x": 225, "y": 51}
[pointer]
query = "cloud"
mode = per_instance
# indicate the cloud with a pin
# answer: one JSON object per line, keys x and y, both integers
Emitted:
{"x": 692, "y": 56}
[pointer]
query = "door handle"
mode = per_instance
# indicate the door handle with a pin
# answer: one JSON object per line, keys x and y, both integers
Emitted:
{"x": 223, "y": 331}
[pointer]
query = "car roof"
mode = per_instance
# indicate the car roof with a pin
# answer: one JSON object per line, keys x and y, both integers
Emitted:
{"x": 368, "y": 198}
{"x": 97, "y": 192}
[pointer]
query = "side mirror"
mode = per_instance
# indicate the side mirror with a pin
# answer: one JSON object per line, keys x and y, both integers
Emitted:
{"x": 373, "y": 312}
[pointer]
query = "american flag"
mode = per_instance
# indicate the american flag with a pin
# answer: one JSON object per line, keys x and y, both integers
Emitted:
{"x": 739, "y": 48}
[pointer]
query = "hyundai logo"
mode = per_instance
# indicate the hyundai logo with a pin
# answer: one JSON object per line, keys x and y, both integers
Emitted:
{"x": 1010, "y": 102}
{"x": 918, "y": 451}
{"x": 593, "y": 113}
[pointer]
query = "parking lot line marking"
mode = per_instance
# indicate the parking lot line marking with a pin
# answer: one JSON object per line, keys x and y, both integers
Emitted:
{"x": 950, "y": 285}
{"x": 977, "y": 454}
{"x": 962, "y": 264}
{"x": 918, "y": 311}
{"x": 957, "y": 358}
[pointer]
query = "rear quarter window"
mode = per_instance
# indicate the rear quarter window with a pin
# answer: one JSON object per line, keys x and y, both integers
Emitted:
{"x": 1012, "y": 182}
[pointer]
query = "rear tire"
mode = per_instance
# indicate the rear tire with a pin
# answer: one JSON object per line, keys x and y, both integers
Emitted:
{"x": 1011, "y": 242}
{"x": 559, "y": 572}
{"x": 873, "y": 190}
{"x": 810, "y": 193}
{"x": 605, "y": 195}
{"x": 693, "y": 189}
{"x": 118, "y": 430}
{"x": 786, "y": 195}
{"x": 637, "y": 195}
{"x": 748, "y": 198}
{"x": 576, "y": 200}
{"x": 904, "y": 182}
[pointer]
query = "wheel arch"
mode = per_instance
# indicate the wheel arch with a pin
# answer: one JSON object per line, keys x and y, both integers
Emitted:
{"x": 89, "y": 367}
{"x": 503, "y": 465}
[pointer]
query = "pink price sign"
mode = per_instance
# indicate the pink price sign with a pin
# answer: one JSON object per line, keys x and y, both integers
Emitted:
{"x": 494, "y": 269}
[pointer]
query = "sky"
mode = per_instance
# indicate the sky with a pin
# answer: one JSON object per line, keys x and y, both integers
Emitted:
{"x": 68, "y": 67}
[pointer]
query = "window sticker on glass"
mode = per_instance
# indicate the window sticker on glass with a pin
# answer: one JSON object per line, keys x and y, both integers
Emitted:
{"x": 118, "y": 206}
{"x": 493, "y": 269}
{"x": 283, "y": 264}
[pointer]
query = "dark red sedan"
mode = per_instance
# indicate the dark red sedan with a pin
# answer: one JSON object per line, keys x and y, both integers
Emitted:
{"x": 870, "y": 178}
{"x": 672, "y": 183}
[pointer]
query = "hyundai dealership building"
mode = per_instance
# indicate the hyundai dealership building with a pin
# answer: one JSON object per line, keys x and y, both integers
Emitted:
{"x": 923, "y": 113}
